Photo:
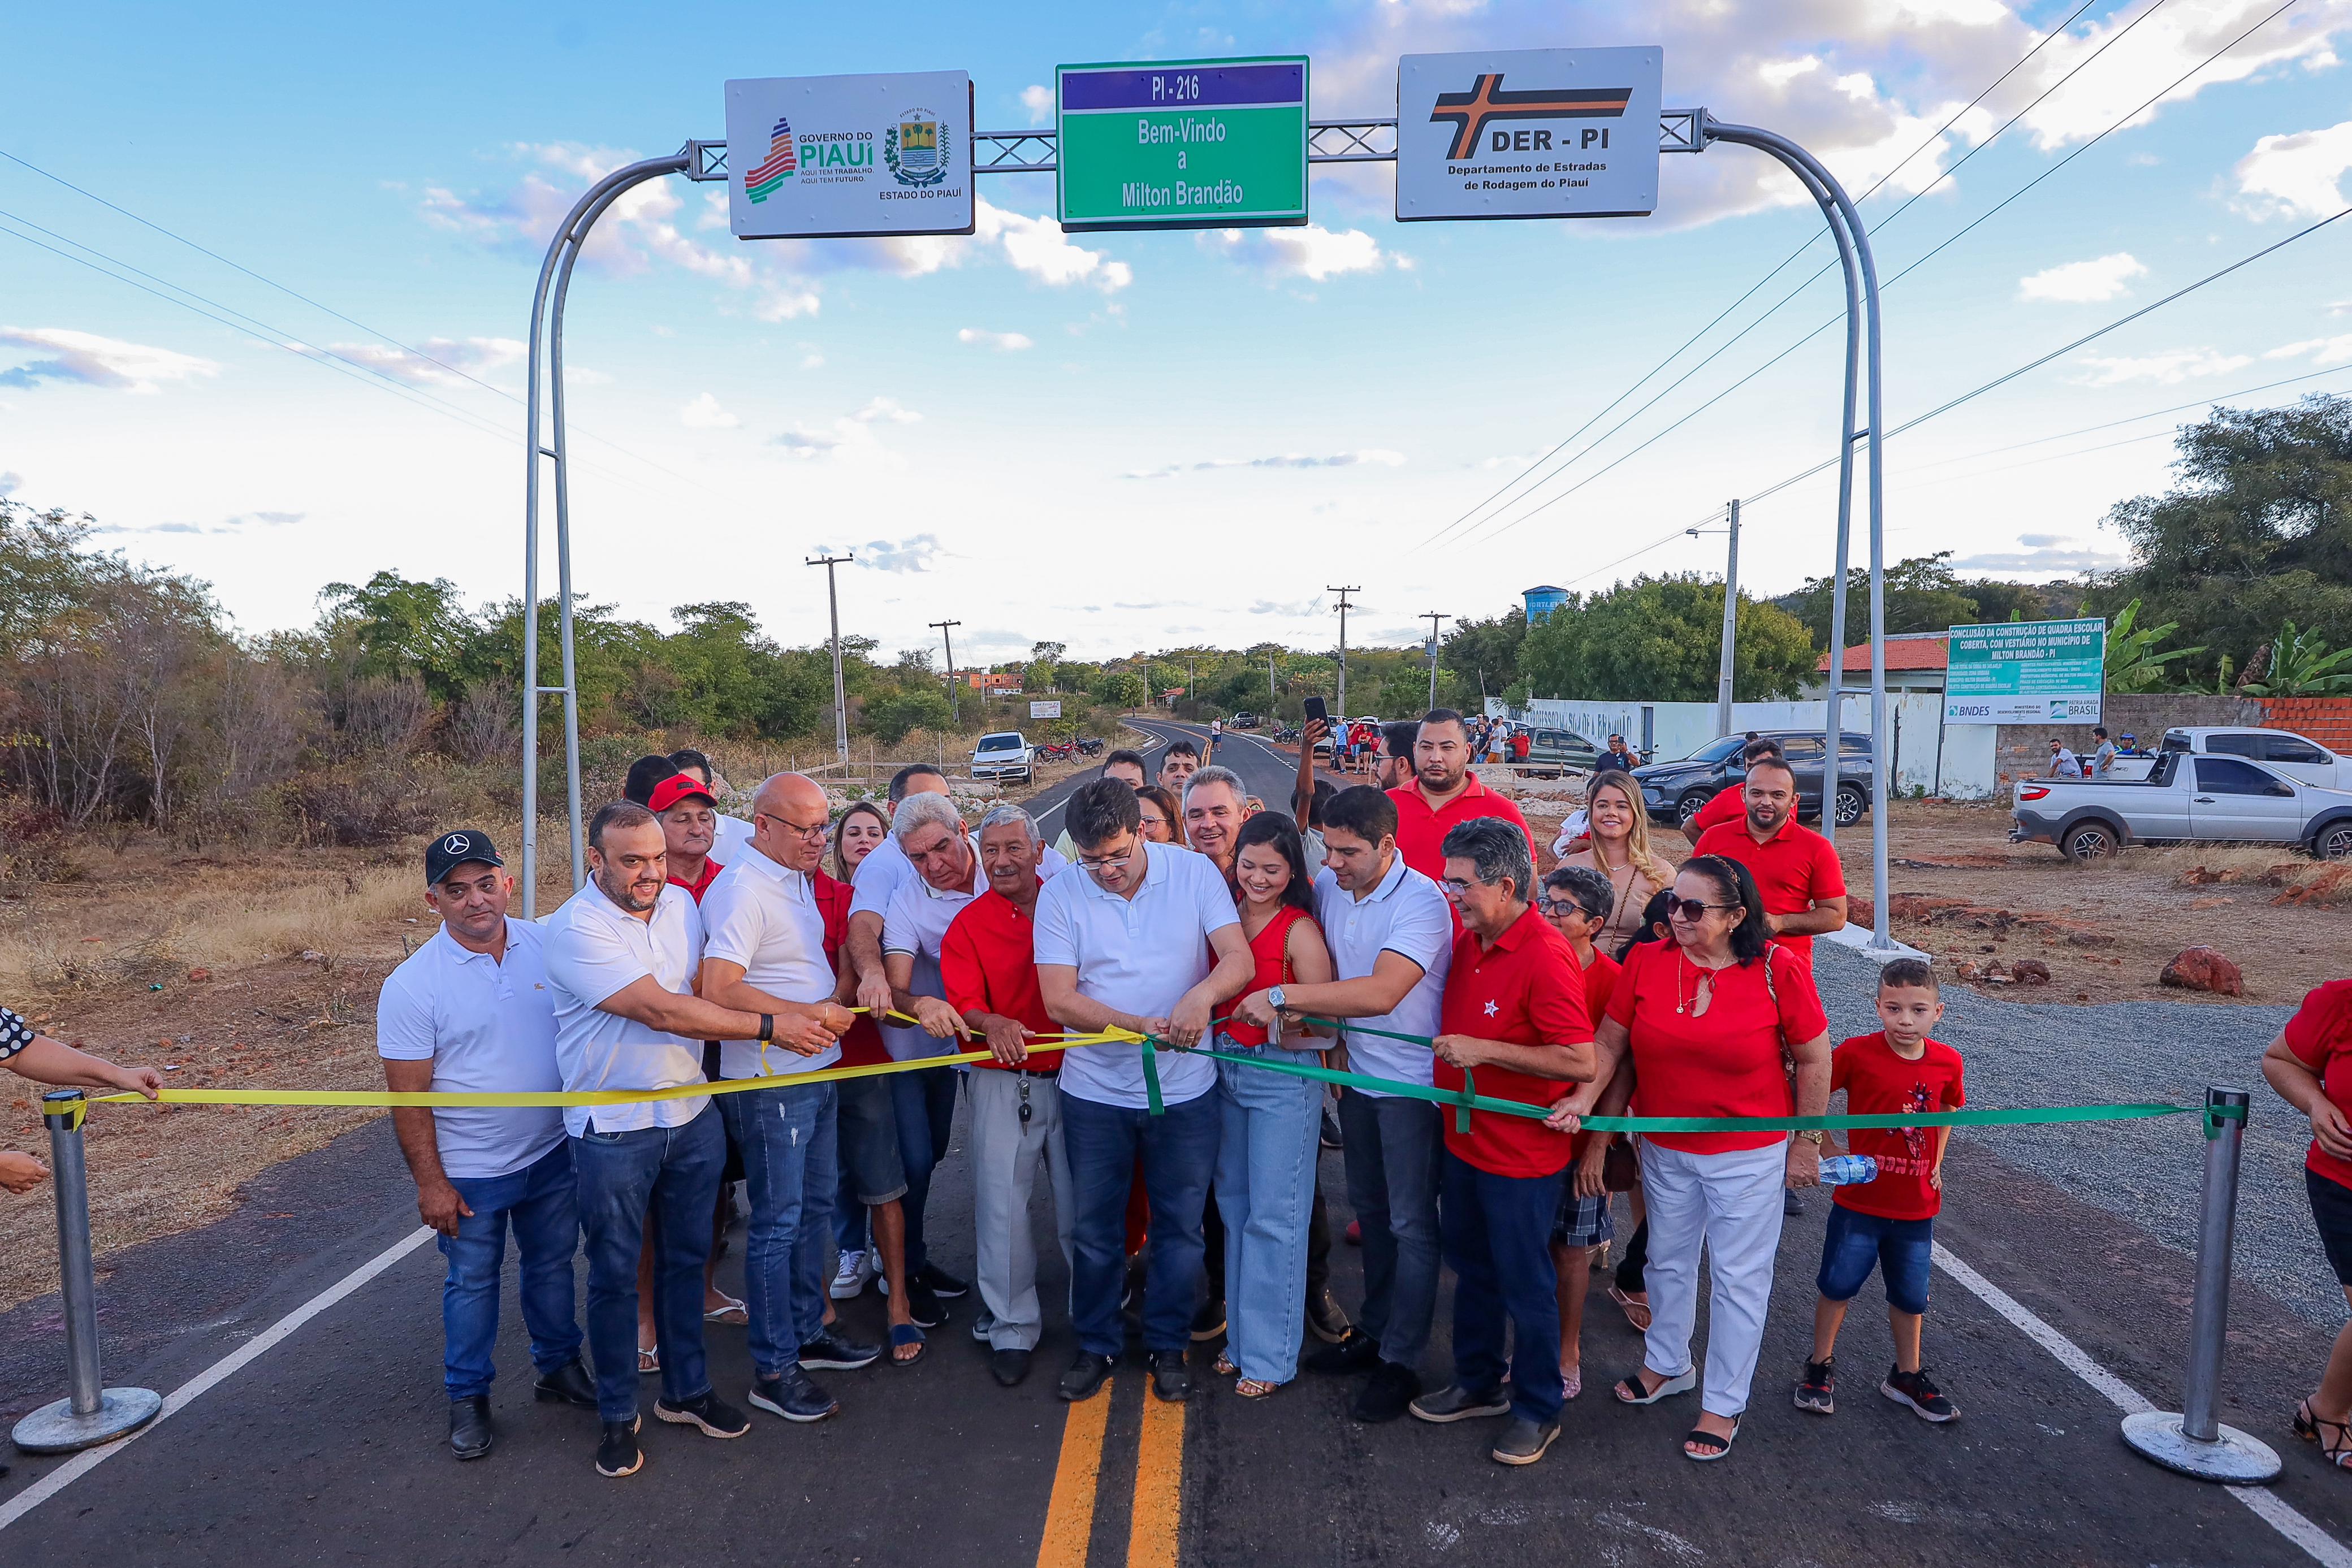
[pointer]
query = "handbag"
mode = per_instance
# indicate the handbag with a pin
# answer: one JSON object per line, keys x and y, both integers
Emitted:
{"x": 1621, "y": 1171}
{"x": 1788, "y": 1051}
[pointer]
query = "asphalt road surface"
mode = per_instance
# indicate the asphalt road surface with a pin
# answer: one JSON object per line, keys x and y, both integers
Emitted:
{"x": 299, "y": 1340}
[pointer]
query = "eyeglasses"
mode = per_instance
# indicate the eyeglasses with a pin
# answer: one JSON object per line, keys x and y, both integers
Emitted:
{"x": 805, "y": 830}
{"x": 1107, "y": 862}
{"x": 1566, "y": 906}
{"x": 1693, "y": 910}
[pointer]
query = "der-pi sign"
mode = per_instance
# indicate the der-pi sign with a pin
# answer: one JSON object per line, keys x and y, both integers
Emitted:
{"x": 1528, "y": 133}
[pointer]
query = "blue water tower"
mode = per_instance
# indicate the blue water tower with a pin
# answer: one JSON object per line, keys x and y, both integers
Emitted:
{"x": 1542, "y": 602}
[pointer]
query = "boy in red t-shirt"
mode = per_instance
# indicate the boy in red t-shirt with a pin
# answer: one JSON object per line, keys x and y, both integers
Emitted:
{"x": 1889, "y": 1223}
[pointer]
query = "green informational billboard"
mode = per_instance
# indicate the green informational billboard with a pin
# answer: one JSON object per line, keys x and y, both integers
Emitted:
{"x": 1181, "y": 143}
{"x": 2027, "y": 672}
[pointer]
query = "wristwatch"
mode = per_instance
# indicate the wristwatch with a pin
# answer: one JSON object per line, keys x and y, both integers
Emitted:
{"x": 1274, "y": 999}
{"x": 1813, "y": 1136}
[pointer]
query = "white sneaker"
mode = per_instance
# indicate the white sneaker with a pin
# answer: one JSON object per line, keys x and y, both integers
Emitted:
{"x": 856, "y": 1268}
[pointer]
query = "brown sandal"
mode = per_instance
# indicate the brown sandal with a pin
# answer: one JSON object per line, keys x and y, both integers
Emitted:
{"x": 1226, "y": 1367}
{"x": 1636, "y": 1312}
{"x": 1251, "y": 1388}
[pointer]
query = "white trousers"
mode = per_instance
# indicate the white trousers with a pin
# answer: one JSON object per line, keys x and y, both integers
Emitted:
{"x": 1005, "y": 1160}
{"x": 1731, "y": 1204}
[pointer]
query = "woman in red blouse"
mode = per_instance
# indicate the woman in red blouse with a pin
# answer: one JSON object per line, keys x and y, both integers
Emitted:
{"x": 1706, "y": 1024}
{"x": 2310, "y": 1064}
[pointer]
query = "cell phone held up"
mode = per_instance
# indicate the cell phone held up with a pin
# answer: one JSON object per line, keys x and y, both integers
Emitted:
{"x": 1315, "y": 709}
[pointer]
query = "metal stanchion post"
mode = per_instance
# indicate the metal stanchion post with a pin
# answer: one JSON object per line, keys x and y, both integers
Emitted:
{"x": 2194, "y": 1442}
{"x": 92, "y": 1414}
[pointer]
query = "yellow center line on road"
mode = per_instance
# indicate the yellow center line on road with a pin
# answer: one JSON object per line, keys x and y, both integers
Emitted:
{"x": 1159, "y": 1487}
{"x": 1070, "y": 1515}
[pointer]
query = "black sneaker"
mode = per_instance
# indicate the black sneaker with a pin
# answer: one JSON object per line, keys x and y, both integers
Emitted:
{"x": 1171, "y": 1381}
{"x": 1088, "y": 1374}
{"x": 1209, "y": 1320}
{"x": 713, "y": 1416}
{"x": 470, "y": 1427}
{"x": 944, "y": 1285}
{"x": 1456, "y": 1403}
{"x": 835, "y": 1350}
{"x": 567, "y": 1384}
{"x": 1817, "y": 1390}
{"x": 1330, "y": 1135}
{"x": 1927, "y": 1400}
{"x": 1009, "y": 1367}
{"x": 793, "y": 1394}
{"x": 1386, "y": 1394}
{"x": 1325, "y": 1319}
{"x": 1356, "y": 1352}
{"x": 923, "y": 1305}
{"x": 1523, "y": 1442}
{"x": 618, "y": 1453}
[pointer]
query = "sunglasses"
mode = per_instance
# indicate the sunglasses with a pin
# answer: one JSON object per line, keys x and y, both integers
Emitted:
{"x": 1693, "y": 910}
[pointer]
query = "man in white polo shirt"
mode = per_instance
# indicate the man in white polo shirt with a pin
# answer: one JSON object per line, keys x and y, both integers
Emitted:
{"x": 764, "y": 951}
{"x": 470, "y": 1012}
{"x": 621, "y": 959}
{"x": 1391, "y": 938}
{"x": 1126, "y": 943}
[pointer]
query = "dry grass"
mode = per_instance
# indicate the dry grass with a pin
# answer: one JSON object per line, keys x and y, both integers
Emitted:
{"x": 2299, "y": 880}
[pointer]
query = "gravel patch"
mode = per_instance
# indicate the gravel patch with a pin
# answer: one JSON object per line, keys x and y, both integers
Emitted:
{"x": 2148, "y": 1171}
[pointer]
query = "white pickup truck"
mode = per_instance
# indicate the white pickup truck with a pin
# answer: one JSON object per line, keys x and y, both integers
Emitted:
{"x": 1006, "y": 754}
{"x": 2186, "y": 796}
{"x": 2297, "y": 757}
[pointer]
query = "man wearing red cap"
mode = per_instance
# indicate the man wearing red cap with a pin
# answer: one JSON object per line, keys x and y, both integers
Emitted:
{"x": 689, "y": 821}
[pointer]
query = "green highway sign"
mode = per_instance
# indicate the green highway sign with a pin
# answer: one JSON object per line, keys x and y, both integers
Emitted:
{"x": 2027, "y": 672}
{"x": 1181, "y": 143}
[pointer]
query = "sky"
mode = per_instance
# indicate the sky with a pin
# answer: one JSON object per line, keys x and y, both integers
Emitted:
{"x": 276, "y": 339}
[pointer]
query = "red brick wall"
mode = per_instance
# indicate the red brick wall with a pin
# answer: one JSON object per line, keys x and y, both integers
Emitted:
{"x": 2328, "y": 720}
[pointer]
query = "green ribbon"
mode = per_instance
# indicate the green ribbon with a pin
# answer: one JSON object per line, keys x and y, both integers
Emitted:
{"x": 1152, "y": 1076}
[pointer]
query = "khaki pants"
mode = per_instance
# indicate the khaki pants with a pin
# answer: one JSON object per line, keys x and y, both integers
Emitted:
{"x": 1005, "y": 1159}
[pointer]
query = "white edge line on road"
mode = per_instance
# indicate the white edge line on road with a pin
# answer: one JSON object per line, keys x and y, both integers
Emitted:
{"x": 2316, "y": 1542}
{"x": 219, "y": 1371}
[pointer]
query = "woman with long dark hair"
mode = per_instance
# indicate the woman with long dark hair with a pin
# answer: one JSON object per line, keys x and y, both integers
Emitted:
{"x": 1265, "y": 1162}
{"x": 1709, "y": 1024}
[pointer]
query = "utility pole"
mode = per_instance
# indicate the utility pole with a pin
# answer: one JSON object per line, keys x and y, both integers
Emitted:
{"x": 1433, "y": 617}
{"x": 840, "y": 700}
{"x": 1273, "y": 696}
{"x": 1341, "y": 716}
{"x": 1725, "y": 660}
{"x": 955, "y": 701}
{"x": 1189, "y": 696}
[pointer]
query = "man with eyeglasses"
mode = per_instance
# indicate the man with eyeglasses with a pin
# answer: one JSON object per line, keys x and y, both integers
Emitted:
{"x": 1127, "y": 943}
{"x": 764, "y": 952}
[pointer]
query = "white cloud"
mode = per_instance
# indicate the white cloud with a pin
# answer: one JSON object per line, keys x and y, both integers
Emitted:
{"x": 886, "y": 409}
{"x": 2298, "y": 176}
{"x": 92, "y": 361}
{"x": 851, "y": 437}
{"x": 226, "y": 525}
{"x": 812, "y": 361}
{"x": 1373, "y": 456}
{"x": 10, "y": 483}
{"x": 437, "y": 361}
{"x": 2324, "y": 351}
{"x": 916, "y": 552}
{"x": 1038, "y": 100}
{"x": 2168, "y": 369}
{"x": 1310, "y": 251}
{"x": 1006, "y": 341}
{"x": 703, "y": 414}
{"x": 2082, "y": 282}
{"x": 2042, "y": 555}
{"x": 1038, "y": 247}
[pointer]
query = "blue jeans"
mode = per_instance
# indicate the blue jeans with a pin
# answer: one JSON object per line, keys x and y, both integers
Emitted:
{"x": 675, "y": 1171}
{"x": 1392, "y": 1154}
{"x": 1180, "y": 1155}
{"x": 1271, "y": 1123}
{"x": 1901, "y": 1248}
{"x": 925, "y": 1102}
{"x": 542, "y": 1207}
{"x": 788, "y": 1138}
{"x": 1498, "y": 1241}
{"x": 848, "y": 1214}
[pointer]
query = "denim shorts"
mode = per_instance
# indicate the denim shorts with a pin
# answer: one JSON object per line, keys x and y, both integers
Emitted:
{"x": 1900, "y": 1249}
{"x": 870, "y": 1140}
{"x": 1583, "y": 1221}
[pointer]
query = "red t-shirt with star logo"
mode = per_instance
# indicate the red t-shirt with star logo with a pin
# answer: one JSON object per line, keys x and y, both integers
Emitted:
{"x": 1525, "y": 989}
{"x": 1878, "y": 1082}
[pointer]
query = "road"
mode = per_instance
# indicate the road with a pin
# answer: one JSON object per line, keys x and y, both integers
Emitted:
{"x": 325, "y": 1442}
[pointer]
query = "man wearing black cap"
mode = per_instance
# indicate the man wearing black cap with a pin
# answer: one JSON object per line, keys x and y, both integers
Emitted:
{"x": 470, "y": 1011}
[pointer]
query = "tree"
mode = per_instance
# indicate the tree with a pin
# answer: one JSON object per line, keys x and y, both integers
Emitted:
{"x": 2300, "y": 666}
{"x": 908, "y": 709}
{"x": 1922, "y": 594}
{"x": 1051, "y": 653}
{"x": 1658, "y": 639}
{"x": 2133, "y": 664}
{"x": 1124, "y": 690}
{"x": 399, "y": 627}
{"x": 1484, "y": 655}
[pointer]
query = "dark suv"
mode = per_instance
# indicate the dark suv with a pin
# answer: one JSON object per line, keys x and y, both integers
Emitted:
{"x": 1674, "y": 791}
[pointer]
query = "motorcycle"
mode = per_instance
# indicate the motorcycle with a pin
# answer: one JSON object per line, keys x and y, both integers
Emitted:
{"x": 1057, "y": 750}
{"x": 1091, "y": 745}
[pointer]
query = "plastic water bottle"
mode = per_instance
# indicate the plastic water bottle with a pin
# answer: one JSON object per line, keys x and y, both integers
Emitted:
{"x": 1848, "y": 1170}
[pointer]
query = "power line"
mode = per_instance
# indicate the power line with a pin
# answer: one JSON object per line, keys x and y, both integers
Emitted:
{"x": 2055, "y": 33}
{"x": 1495, "y": 530}
{"x": 2213, "y": 401}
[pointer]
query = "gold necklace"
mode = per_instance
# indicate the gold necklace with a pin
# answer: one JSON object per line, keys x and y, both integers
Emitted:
{"x": 1704, "y": 983}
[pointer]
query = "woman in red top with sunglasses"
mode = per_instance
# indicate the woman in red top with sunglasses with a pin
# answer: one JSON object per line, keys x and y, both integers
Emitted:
{"x": 1265, "y": 1162}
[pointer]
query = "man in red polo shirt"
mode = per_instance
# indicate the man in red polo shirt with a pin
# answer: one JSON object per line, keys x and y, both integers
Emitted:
{"x": 1513, "y": 1019}
{"x": 689, "y": 823}
{"x": 1444, "y": 792}
{"x": 988, "y": 970}
{"x": 1795, "y": 868}
{"x": 1731, "y": 804}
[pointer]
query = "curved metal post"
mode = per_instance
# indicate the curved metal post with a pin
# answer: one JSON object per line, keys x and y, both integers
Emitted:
{"x": 565, "y": 249}
{"x": 1818, "y": 179}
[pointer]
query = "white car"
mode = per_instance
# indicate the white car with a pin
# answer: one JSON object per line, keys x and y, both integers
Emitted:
{"x": 1004, "y": 755}
{"x": 2305, "y": 761}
